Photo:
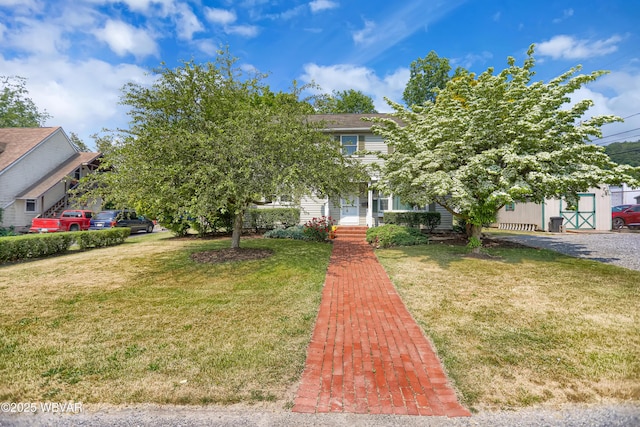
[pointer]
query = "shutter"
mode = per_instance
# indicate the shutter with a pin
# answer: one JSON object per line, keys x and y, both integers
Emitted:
{"x": 361, "y": 144}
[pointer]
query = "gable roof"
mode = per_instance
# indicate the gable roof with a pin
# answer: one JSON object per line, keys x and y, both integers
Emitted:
{"x": 57, "y": 175}
{"x": 16, "y": 142}
{"x": 348, "y": 122}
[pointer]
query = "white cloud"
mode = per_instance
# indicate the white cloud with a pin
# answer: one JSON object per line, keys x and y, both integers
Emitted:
{"x": 242, "y": 30}
{"x": 123, "y": 39}
{"x": 320, "y": 5}
{"x": 567, "y": 47}
{"x": 345, "y": 76}
{"x": 567, "y": 13}
{"x": 187, "y": 22}
{"x": 469, "y": 60}
{"x": 618, "y": 94}
{"x": 73, "y": 95}
{"x": 36, "y": 37}
{"x": 220, "y": 16}
{"x": 365, "y": 35}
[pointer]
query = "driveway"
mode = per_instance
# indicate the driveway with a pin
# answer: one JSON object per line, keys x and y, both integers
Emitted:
{"x": 619, "y": 248}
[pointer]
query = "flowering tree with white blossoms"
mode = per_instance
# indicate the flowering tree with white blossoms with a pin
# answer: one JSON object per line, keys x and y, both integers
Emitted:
{"x": 495, "y": 139}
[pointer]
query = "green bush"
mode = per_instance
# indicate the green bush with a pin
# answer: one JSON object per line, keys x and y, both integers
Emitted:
{"x": 102, "y": 238}
{"x": 14, "y": 248}
{"x": 294, "y": 233}
{"x": 395, "y": 235}
{"x": 271, "y": 218}
{"x": 430, "y": 220}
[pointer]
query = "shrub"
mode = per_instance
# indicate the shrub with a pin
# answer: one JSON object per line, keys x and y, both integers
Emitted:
{"x": 395, "y": 235}
{"x": 14, "y": 248}
{"x": 269, "y": 219}
{"x": 102, "y": 238}
{"x": 318, "y": 229}
{"x": 294, "y": 233}
{"x": 430, "y": 220}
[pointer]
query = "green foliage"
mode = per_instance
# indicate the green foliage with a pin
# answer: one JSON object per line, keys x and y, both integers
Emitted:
{"x": 79, "y": 143}
{"x": 14, "y": 248}
{"x": 345, "y": 102}
{"x": 295, "y": 232}
{"x": 16, "y": 108}
{"x": 102, "y": 238}
{"x": 427, "y": 76}
{"x": 395, "y": 235}
{"x": 624, "y": 153}
{"x": 430, "y": 220}
{"x": 474, "y": 243}
{"x": 318, "y": 229}
{"x": 495, "y": 139}
{"x": 270, "y": 218}
{"x": 207, "y": 138}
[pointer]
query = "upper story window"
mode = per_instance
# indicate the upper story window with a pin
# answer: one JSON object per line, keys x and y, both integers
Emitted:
{"x": 349, "y": 144}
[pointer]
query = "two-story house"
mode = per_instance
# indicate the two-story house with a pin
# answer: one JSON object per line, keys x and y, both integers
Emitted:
{"x": 367, "y": 207}
{"x": 38, "y": 166}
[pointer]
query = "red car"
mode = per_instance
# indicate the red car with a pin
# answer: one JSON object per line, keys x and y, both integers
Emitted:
{"x": 629, "y": 217}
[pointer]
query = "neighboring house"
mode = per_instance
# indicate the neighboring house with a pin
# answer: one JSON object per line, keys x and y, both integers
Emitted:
{"x": 624, "y": 195}
{"x": 38, "y": 166}
{"x": 592, "y": 213}
{"x": 367, "y": 206}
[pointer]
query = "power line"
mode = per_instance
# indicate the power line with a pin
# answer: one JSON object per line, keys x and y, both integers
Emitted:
{"x": 614, "y": 134}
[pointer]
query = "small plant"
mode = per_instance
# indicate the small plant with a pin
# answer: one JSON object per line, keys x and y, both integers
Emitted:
{"x": 318, "y": 229}
{"x": 294, "y": 233}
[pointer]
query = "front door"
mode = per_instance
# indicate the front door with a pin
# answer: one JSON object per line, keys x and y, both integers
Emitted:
{"x": 349, "y": 214}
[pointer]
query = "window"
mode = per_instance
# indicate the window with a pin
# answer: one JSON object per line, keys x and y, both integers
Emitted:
{"x": 31, "y": 205}
{"x": 510, "y": 207}
{"x": 349, "y": 144}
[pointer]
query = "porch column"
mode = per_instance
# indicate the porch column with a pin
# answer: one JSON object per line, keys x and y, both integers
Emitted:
{"x": 369, "y": 205}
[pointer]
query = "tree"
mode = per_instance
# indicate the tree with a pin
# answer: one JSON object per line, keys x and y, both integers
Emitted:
{"x": 427, "y": 76}
{"x": 77, "y": 142}
{"x": 624, "y": 153}
{"x": 205, "y": 140}
{"x": 497, "y": 139}
{"x": 345, "y": 102}
{"x": 16, "y": 108}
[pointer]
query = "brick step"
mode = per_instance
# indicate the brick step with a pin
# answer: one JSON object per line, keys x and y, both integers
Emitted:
{"x": 351, "y": 232}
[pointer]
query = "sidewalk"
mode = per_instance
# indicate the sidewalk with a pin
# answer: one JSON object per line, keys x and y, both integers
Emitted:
{"x": 367, "y": 354}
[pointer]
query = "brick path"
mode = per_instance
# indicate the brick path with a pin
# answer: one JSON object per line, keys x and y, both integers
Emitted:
{"x": 367, "y": 354}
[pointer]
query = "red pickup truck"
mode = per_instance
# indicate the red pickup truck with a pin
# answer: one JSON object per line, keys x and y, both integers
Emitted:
{"x": 70, "y": 220}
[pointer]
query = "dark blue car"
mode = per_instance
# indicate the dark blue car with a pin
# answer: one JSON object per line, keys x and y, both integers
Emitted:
{"x": 121, "y": 218}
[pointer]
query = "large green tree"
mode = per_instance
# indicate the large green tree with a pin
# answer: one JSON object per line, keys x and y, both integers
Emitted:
{"x": 624, "y": 153}
{"x": 427, "y": 76}
{"x": 495, "y": 139}
{"x": 205, "y": 139}
{"x": 16, "y": 108}
{"x": 345, "y": 102}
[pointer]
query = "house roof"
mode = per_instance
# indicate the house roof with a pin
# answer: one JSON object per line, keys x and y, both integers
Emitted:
{"x": 64, "y": 170}
{"x": 16, "y": 142}
{"x": 351, "y": 122}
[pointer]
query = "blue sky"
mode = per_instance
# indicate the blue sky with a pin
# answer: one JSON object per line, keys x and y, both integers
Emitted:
{"x": 77, "y": 54}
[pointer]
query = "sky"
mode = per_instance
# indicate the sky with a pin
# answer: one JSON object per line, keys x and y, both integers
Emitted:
{"x": 78, "y": 54}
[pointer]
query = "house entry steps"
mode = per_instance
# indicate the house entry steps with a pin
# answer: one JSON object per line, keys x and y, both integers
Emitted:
{"x": 351, "y": 232}
{"x": 367, "y": 354}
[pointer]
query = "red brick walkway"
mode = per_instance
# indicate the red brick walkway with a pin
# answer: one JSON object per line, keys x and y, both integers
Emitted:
{"x": 367, "y": 354}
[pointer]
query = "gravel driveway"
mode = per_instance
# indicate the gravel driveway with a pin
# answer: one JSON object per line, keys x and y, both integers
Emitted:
{"x": 619, "y": 248}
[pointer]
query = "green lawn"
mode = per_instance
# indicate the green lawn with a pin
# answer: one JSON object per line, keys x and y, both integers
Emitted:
{"x": 142, "y": 322}
{"x": 526, "y": 327}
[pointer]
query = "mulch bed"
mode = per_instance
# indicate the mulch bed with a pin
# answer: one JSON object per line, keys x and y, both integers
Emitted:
{"x": 231, "y": 255}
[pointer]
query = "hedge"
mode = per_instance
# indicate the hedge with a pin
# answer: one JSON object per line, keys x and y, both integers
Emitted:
{"x": 388, "y": 235}
{"x": 15, "y": 248}
{"x": 430, "y": 220}
{"x": 270, "y": 218}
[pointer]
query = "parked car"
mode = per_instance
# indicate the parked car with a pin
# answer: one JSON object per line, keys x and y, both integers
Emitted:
{"x": 121, "y": 218}
{"x": 620, "y": 208}
{"x": 629, "y": 217}
{"x": 69, "y": 220}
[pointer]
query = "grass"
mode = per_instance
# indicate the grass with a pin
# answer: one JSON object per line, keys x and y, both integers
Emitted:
{"x": 142, "y": 322}
{"x": 526, "y": 327}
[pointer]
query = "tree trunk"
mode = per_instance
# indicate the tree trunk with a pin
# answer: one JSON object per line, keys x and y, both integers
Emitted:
{"x": 475, "y": 233}
{"x": 237, "y": 230}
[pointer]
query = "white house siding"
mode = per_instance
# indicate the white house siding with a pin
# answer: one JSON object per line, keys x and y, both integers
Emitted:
{"x": 624, "y": 195}
{"x": 312, "y": 207}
